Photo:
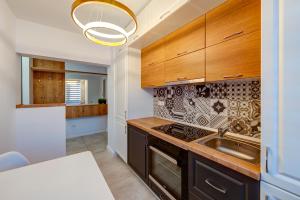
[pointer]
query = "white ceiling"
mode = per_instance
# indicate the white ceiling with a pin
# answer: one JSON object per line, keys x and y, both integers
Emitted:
{"x": 56, "y": 13}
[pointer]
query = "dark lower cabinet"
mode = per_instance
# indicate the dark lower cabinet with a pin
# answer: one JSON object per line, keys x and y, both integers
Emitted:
{"x": 158, "y": 191}
{"x": 137, "y": 151}
{"x": 211, "y": 181}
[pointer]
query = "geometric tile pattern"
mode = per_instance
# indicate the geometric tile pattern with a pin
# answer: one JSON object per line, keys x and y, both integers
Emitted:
{"x": 229, "y": 104}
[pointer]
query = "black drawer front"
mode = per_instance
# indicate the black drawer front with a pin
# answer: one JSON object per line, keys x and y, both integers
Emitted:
{"x": 160, "y": 194}
{"x": 217, "y": 184}
{"x": 211, "y": 181}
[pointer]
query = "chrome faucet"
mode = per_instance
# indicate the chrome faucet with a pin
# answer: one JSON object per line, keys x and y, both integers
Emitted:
{"x": 222, "y": 131}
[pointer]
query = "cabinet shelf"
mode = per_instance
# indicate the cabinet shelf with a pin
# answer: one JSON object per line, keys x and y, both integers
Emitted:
{"x": 48, "y": 70}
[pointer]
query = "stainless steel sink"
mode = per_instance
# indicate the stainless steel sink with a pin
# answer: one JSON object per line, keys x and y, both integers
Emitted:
{"x": 239, "y": 149}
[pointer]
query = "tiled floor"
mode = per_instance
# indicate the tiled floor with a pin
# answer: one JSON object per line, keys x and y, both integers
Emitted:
{"x": 121, "y": 180}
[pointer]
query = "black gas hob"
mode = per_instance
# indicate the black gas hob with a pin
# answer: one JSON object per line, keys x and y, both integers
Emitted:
{"x": 183, "y": 132}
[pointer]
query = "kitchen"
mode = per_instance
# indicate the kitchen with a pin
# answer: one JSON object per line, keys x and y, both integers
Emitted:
{"x": 199, "y": 97}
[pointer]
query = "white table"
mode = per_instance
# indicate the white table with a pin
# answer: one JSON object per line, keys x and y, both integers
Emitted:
{"x": 75, "y": 177}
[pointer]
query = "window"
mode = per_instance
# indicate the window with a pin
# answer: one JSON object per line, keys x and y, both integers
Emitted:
{"x": 76, "y": 92}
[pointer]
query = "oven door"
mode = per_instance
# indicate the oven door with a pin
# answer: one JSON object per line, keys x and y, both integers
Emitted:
{"x": 165, "y": 173}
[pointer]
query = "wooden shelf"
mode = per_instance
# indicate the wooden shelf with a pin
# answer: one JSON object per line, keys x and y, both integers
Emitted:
{"x": 40, "y": 105}
{"x": 48, "y": 70}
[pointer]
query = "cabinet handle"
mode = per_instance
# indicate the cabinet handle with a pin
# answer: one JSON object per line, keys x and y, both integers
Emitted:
{"x": 164, "y": 14}
{"x": 182, "y": 78}
{"x": 182, "y": 53}
{"x": 232, "y": 35}
{"x": 234, "y": 76}
{"x": 223, "y": 191}
{"x": 267, "y": 158}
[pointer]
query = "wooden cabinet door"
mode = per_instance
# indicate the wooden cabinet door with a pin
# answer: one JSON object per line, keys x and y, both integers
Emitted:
{"x": 152, "y": 71}
{"x": 137, "y": 146}
{"x": 187, "y": 67}
{"x": 232, "y": 19}
{"x": 153, "y": 75}
{"x": 153, "y": 54}
{"x": 48, "y": 87}
{"x": 233, "y": 59}
{"x": 187, "y": 39}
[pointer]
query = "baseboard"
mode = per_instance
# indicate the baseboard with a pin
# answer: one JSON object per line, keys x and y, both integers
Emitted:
{"x": 87, "y": 133}
{"x": 110, "y": 149}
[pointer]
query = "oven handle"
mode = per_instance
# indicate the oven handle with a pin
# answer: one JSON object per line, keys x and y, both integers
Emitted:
{"x": 169, "y": 158}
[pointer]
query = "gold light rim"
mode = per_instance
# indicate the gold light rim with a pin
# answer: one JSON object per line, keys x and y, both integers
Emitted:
{"x": 90, "y": 37}
{"x": 114, "y": 3}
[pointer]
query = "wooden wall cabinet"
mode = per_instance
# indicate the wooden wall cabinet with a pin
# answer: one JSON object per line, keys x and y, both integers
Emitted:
{"x": 48, "y": 81}
{"x": 186, "y": 39}
{"x": 232, "y": 19}
{"x": 153, "y": 75}
{"x": 187, "y": 67}
{"x": 234, "y": 59}
{"x": 224, "y": 44}
{"x": 78, "y": 111}
{"x": 152, "y": 71}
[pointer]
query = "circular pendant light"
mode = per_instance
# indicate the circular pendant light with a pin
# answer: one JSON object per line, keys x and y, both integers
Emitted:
{"x": 91, "y": 27}
{"x": 105, "y": 25}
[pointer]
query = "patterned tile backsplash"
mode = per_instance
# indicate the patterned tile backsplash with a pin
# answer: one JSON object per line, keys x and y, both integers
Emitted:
{"x": 229, "y": 104}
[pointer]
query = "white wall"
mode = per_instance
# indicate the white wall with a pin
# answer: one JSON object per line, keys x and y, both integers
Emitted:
{"x": 86, "y": 126}
{"x": 9, "y": 78}
{"x": 41, "y": 133}
{"x": 40, "y": 40}
{"x": 25, "y": 80}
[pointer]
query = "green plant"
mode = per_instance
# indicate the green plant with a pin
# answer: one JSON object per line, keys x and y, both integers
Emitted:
{"x": 102, "y": 101}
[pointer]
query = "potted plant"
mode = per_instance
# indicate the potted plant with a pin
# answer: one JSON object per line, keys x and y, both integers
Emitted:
{"x": 102, "y": 101}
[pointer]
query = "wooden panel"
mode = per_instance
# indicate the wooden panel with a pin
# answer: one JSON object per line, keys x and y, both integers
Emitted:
{"x": 152, "y": 63}
{"x": 48, "y": 64}
{"x": 189, "y": 38}
{"x": 233, "y": 59}
{"x": 48, "y": 87}
{"x": 232, "y": 19}
{"x": 153, "y": 75}
{"x": 187, "y": 67}
{"x": 40, "y": 105}
{"x": 154, "y": 53}
{"x": 79, "y": 111}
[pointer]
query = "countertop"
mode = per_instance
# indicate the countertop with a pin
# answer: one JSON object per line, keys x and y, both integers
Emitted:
{"x": 73, "y": 177}
{"x": 40, "y": 105}
{"x": 241, "y": 166}
{"x": 91, "y": 104}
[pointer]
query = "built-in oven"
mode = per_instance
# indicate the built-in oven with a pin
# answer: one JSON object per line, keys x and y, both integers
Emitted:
{"x": 167, "y": 172}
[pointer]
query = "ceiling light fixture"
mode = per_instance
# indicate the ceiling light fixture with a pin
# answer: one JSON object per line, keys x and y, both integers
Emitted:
{"x": 91, "y": 26}
{"x": 105, "y": 25}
